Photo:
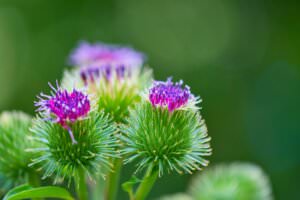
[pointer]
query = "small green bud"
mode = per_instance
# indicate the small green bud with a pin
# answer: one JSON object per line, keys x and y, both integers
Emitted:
{"x": 14, "y": 140}
{"x": 231, "y": 182}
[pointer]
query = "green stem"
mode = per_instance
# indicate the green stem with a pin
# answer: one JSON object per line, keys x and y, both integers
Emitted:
{"x": 81, "y": 185}
{"x": 146, "y": 184}
{"x": 98, "y": 189}
{"x": 113, "y": 180}
{"x": 131, "y": 195}
{"x": 35, "y": 181}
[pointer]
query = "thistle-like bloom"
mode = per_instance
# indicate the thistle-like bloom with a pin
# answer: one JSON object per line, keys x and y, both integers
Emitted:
{"x": 231, "y": 182}
{"x": 104, "y": 54}
{"x": 105, "y": 61}
{"x": 168, "y": 141}
{"x": 14, "y": 140}
{"x": 66, "y": 107}
{"x": 169, "y": 94}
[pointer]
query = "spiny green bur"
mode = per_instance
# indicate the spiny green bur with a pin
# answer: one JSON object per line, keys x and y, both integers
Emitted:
{"x": 231, "y": 182}
{"x": 14, "y": 140}
{"x": 62, "y": 159}
{"x": 168, "y": 141}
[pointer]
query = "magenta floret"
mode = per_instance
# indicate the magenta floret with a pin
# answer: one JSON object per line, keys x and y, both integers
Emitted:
{"x": 64, "y": 107}
{"x": 169, "y": 94}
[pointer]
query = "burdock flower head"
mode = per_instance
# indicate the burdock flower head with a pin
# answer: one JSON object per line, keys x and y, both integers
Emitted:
{"x": 64, "y": 107}
{"x": 166, "y": 131}
{"x": 73, "y": 138}
{"x": 14, "y": 140}
{"x": 105, "y": 61}
{"x": 171, "y": 95}
{"x": 113, "y": 74}
{"x": 231, "y": 182}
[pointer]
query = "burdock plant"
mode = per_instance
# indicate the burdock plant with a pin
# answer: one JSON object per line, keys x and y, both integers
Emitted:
{"x": 108, "y": 111}
{"x": 231, "y": 182}
{"x": 165, "y": 133}
{"x": 115, "y": 76}
{"x": 74, "y": 140}
{"x": 104, "y": 113}
{"x": 14, "y": 140}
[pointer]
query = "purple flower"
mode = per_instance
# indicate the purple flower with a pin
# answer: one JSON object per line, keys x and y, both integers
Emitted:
{"x": 104, "y": 54}
{"x": 169, "y": 94}
{"x": 66, "y": 107}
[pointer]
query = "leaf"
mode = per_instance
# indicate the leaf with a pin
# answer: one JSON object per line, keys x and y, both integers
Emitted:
{"x": 17, "y": 189}
{"x": 127, "y": 186}
{"x": 27, "y": 191}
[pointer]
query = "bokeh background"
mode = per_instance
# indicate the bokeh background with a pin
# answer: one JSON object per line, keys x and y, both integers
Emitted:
{"x": 242, "y": 57}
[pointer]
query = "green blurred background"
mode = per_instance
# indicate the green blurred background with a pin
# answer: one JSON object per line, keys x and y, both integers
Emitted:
{"x": 242, "y": 57}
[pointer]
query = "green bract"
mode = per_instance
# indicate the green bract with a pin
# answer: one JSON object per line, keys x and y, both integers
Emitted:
{"x": 14, "y": 140}
{"x": 231, "y": 182}
{"x": 62, "y": 159}
{"x": 118, "y": 96}
{"x": 165, "y": 140}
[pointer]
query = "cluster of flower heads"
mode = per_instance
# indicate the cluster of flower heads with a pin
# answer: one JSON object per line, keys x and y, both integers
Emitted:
{"x": 169, "y": 94}
{"x": 102, "y": 60}
{"x": 110, "y": 62}
{"x": 66, "y": 107}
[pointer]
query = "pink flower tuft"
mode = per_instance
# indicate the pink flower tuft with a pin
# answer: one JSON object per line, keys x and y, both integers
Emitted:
{"x": 67, "y": 107}
{"x": 169, "y": 94}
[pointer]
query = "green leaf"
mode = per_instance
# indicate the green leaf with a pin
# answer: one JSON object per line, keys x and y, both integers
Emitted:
{"x": 17, "y": 189}
{"x": 127, "y": 186}
{"x": 27, "y": 191}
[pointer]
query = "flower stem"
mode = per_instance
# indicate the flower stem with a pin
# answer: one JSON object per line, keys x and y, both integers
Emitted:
{"x": 113, "y": 180}
{"x": 81, "y": 185}
{"x": 34, "y": 181}
{"x": 98, "y": 189}
{"x": 146, "y": 184}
